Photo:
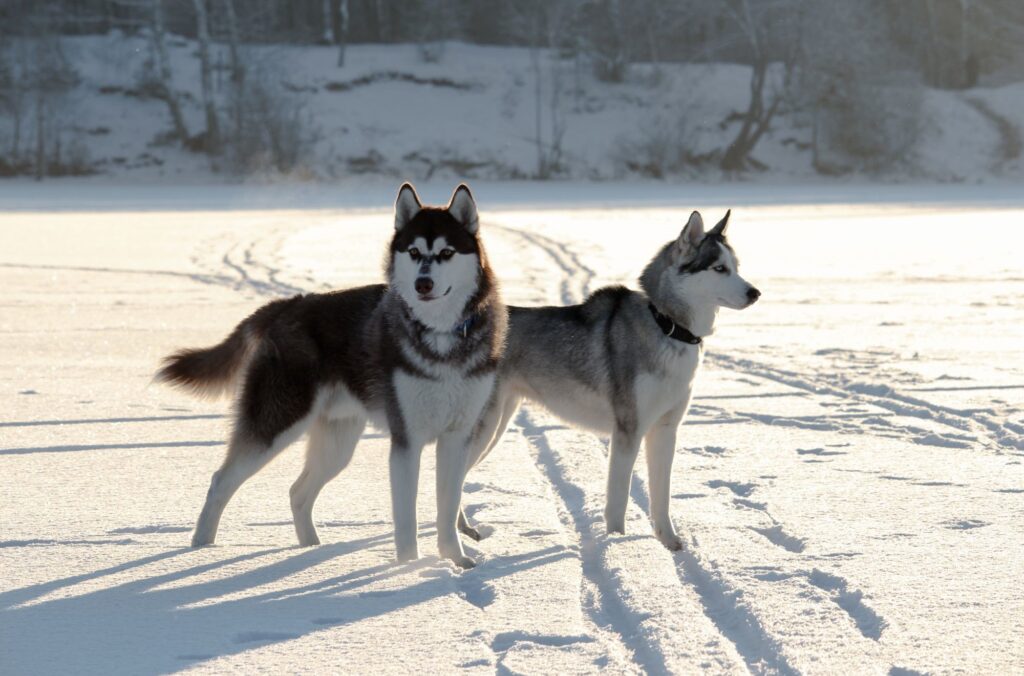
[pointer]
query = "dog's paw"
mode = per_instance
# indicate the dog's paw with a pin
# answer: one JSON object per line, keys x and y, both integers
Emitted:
{"x": 405, "y": 556}
{"x": 615, "y": 526}
{"x": 614, "y": 522}
{"x": 477, "y": 532}
{"x": 462, "y": 561}
{"x": 672, "y": 542}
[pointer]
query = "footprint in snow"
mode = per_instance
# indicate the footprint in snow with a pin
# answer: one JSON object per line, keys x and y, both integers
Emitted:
{"x": 502, "y": 642}
{"x": 474, "y": 591}
{"x": 817, "y": 451}
{"x": 902, "y": 671}
{"x": 708, "y": 450}
{"x": 262, "y": 636}
{"x": 965, "y": 524}
{"x": 750, "y": 504}
{"x": 780, "y": 538}
{"x": 739, "y": 488}
{"x": 146, "y": 530}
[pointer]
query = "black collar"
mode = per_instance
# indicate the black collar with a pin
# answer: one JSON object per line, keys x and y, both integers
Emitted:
{"x": 460, "y": 330}
{"x": 673, "y": 330}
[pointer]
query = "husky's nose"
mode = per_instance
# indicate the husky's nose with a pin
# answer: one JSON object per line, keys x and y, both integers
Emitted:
{"x": 424, "y": 285}
{"x": 752, "y": 295}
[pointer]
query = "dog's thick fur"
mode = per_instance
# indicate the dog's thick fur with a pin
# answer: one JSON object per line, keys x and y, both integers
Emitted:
{"x": 609, "y": 365}
{"x": 417, "y": 357}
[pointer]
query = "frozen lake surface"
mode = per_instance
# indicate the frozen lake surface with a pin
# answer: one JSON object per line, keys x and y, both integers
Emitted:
{"x": 849, "y": 481}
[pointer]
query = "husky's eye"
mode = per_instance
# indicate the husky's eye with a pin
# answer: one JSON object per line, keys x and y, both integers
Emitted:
{"x": 414, "y": 253}
{"x": 720, "y": 268}
{"x": 446, "y": 254}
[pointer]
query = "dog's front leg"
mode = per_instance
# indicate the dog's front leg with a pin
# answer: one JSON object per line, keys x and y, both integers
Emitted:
{"x": 621, "y": 458}
{"x": 452, "y": 462}
{"x": 404, "y": 464}
{"x": 660, "y": 443}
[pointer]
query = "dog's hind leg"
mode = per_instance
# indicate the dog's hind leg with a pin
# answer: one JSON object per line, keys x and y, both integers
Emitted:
{"x": 276, "y": 407}
{"x": 492, "y": 428}
{"x": 330, "y": 449}
{"x": 621, "y": 457}
{"x": 508, "y": 409}
{"x": 244, "y": 458}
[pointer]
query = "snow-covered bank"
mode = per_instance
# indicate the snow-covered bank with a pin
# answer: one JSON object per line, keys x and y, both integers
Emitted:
{"x": 474, "y": 113}
{"x": 849, "y": 482}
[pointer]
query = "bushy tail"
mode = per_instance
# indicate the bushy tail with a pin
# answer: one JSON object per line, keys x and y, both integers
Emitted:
{"x": 212, "y": 372}
{"x": 207, "y": 373}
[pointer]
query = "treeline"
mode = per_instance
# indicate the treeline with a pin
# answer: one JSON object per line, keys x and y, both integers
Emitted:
{"x": 848, "y": 70}
{"x": 949, "y": 42}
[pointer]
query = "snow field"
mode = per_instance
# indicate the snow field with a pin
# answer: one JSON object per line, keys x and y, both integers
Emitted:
{"x": 848, "y": 482}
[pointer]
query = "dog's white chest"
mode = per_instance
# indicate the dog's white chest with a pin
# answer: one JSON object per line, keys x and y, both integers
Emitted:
{"x": 451, "y": 402}
{"x": 671, "y": 387}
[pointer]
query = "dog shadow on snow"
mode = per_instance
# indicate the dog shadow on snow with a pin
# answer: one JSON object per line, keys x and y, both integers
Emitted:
{"x": 170, "y": 619}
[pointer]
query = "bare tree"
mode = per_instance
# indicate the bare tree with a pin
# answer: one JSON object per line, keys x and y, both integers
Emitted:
{"x": 212, "y": 138}
{"x": 237, "y": 67}
{"x": 327, "y": 17}
{"x": 753, "y": 26}
{"x": 35, "y": 78}
{"x": 864, "y": 114}
{"x": 162, "y": 67}
{"x": 543, "y": 24}
{"x": 604, "y": 28}
{"x": 342, "y": 35}
{"x": 12, "y": 103}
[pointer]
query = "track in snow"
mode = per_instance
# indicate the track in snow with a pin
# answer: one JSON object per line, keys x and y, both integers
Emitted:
{"x": 981, "y": 426}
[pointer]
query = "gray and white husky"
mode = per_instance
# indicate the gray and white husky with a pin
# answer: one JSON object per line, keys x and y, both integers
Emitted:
{"x": 623, "y": 363}
{"x": 417, "y": 356}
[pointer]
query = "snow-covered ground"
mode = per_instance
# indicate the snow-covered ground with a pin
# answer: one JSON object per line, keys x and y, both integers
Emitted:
{"x": 849, "y": 481}
{"x": 474, "y": 113}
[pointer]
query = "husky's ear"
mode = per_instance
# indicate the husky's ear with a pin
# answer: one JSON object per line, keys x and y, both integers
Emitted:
{"x": 463, "y": 208}
{"x": 691, "y": 236}
{"x": 720, "y": 227}
{"x": 406, "y": 206}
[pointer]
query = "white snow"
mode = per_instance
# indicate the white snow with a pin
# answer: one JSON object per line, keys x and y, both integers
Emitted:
{"x": 849, "y": 481}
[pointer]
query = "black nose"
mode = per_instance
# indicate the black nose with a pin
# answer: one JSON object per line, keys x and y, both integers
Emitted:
{"x": 424, "y": 285}
{"x": 753, "y": 294}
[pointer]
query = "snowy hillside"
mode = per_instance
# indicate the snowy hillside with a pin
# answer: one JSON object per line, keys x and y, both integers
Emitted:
{"x": 849, "y": 482}
{"x": 475, "y": 114}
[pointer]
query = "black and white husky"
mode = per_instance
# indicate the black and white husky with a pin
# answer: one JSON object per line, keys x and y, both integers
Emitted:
{"x": 623, "y": 363}
{"x": 416, "y": 356}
